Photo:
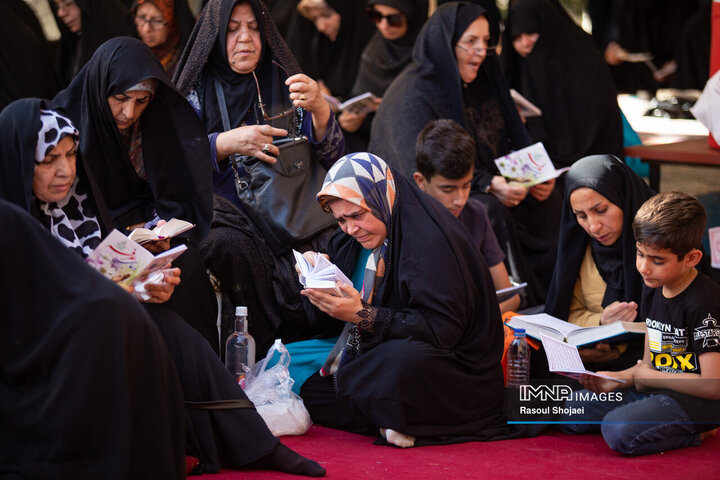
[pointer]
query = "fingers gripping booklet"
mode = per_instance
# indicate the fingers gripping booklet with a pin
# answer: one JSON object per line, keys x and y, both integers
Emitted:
{"x": 125, "y": 262}
{"x": 323, "y": 276}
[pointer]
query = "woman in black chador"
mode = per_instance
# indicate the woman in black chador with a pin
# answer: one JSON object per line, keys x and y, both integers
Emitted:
{"x": 419, "y": 353}
{"x": 43, "y": 172}
{"x": 87, "y": 387}
{"x": 553, "y": 63}
{"x": 143, "y": 146}
{"x": 455, "y": 74}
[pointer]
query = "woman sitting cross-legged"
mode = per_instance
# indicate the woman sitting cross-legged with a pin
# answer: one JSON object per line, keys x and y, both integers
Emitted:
{"x": 42, "y": 171}
{"x": 419, "y": 353}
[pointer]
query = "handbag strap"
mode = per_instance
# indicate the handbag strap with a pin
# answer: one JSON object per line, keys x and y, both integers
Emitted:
{"x": 221, "y": 404}
{"x": 237, "y": 165}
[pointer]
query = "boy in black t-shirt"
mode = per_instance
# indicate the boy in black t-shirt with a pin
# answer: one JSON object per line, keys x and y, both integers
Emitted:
{"x": 673, "y": 393}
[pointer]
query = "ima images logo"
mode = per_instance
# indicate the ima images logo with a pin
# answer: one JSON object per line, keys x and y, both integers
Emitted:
{"x": 556, "y": 393}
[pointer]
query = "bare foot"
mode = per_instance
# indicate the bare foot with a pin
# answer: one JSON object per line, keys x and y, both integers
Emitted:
{"x": 705, "y": 435}
{"x": 398, "y": 439}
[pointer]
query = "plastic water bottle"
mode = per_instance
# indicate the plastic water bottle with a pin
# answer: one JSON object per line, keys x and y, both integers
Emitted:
{"x": 518, "y": 360}
{"x": 240, "y": 347}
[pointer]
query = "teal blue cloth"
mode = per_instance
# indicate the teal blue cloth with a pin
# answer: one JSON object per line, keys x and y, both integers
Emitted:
{"x": 630, "y": 138}
{"x": 308, "y": 356}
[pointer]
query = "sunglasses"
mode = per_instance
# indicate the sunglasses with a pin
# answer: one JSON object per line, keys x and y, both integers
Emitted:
{"x": 394, "y": 20}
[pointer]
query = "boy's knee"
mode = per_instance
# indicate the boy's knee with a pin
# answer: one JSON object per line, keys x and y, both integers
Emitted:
{"x": 618, "y": 437}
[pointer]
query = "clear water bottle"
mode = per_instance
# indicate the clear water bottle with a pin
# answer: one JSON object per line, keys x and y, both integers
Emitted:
{"x": 518, "y": 360}
{"x": 240, "y": 347}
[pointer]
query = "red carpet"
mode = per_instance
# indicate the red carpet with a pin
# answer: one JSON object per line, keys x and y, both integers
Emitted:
{"x": 550, "y": 456}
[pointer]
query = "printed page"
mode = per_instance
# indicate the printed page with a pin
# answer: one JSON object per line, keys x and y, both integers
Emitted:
{"x": 549, "y": 321}
{"x": 528, "y": 166}
{"x": 564, "y": 358}
{"x": 119, "y": 258}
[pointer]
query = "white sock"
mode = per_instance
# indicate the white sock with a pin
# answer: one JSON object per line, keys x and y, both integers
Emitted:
{"x": 396, "y": 438}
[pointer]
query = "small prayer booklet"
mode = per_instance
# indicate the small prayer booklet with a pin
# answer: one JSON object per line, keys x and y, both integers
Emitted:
{"x": 526, "y": 108}
{"x": 364, "y": 103}
{"x": 565, "y": 360}
{"x": 169, "y": 229}
{"x": 562, "y": 331}
{"x": 322, "y": 276}
{"x": 505, "y": 293}
{"x": 124, "y": 261}
{"x": 528, "y": 166}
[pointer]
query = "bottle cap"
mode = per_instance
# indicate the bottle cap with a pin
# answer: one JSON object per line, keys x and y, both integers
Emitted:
{"x": 240, "y": 310}
{"x": 519, "y": 331}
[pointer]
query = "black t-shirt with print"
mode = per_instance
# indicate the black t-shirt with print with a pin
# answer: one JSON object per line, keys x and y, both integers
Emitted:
{"x": 679, "y": 330}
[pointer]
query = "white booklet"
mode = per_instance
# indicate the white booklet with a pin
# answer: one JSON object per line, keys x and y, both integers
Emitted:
{"x": 543, "y": 324}
{"x": 528, "y": 166}
{"x": 363, "y": 103}
{"x": 564, "y": 359}
{"x": 324, "y": 275}
{"x": 526, "y": 108}
{"x": 169, "y": 229}
{"x": 125, "y": 262}
{"x": 506, "y": 293}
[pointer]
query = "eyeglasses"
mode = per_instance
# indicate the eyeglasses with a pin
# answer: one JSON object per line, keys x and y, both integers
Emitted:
{"x": 394, "y": 20}
{"x": 152, "y": 22}
{"x": 260, "y": 103}
{"x": 479, "y": 51}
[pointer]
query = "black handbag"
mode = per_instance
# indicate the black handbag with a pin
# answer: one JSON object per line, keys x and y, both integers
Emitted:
{"x": 280, "y": 198}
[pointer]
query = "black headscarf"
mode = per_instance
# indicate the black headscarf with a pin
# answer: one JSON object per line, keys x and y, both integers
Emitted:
{"x": 337, "y": 62}
{"x": 431, "y": 88}
{"x": 87, "y": 387}
{"x": 101, "y": 20}
{"x": 382, "y": 60}
{"x": 206, "y": 55}
{"x": 26, "y": 68}
{"x": 175, "y": 148}
{"x": 616, "y": 263}
{"x": 567, "y": 78}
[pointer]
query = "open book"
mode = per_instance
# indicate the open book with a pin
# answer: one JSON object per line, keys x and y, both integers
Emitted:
{"x": 526, "y": 108}
{"x": 124, "y": 261}
{"x": 169, "y": 229}
{"x": 505, "y": 293}
{"x": 322, "y": 276}
{"x": 528, "y": 166}
{"x": 364, "y": 103}
{"x": 562, "y": 331}
{"x": 565, "y": 360}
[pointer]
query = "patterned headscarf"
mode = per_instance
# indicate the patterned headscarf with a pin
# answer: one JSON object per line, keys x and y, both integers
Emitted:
{"x": 367, "y": 181}
{"x": 71, "y": 219}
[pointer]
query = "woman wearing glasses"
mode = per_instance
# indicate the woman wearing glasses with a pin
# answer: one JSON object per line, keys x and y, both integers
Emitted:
{"x": 580, "y": 114}
{"x": 455, "y": 74}
{"x": 398, "y": 23}
{"x": 84, "y": 25}
{"x": 164, "y": 26}
{"x": 238, "y": 52}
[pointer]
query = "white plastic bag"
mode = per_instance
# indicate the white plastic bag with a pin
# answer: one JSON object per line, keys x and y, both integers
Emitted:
{"x": 270, "y": 390}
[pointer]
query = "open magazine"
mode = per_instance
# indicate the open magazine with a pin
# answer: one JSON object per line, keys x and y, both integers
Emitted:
{"x": 125, "y": 262}
{"x": 324, "y": 275}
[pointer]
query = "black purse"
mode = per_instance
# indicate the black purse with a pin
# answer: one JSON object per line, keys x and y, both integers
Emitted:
{"x": 280, "y": 198}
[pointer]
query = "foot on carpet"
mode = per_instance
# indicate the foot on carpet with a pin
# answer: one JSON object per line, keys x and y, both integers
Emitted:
{"x": 708, "y": 434}
{"x": 396, "y": 438}
{"x": 283, "y": 459}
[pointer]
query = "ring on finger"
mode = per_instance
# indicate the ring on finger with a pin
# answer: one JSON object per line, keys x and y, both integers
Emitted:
{"x": 303, "y": 97}
{"x": 266, "y": 148}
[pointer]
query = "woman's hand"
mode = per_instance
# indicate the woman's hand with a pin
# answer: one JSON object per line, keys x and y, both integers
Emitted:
{"x": 162, "y": 291}
{"x": 508, "y": 193}
{"x": 619, "y": 312}
{"x": 305, "y": 93}
{"x": 250, "y": 140}
{"x": 343, "y": 308}
{"x": 542, "y": 191}
{"x": 351, "y": 121}
{"x": 602, "y": 352}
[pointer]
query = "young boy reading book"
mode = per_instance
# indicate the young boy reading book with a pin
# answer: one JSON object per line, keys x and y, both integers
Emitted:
{"x": 672, "y": 395}
{"x": 444, "y": 156}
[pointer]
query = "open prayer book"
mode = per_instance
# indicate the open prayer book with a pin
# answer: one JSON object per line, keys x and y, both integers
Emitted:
{"x": 562, "y": 331}
{"x": 322, "y": 276}
{"x": 124, "y": 261}
{"x": 169, "y": 229}
{"x": 565, "y": 360}
{"x": 528, "y": 166}
{"x": 363, "y": 103}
